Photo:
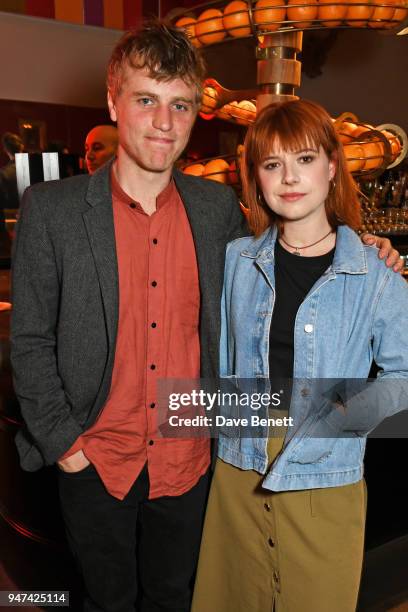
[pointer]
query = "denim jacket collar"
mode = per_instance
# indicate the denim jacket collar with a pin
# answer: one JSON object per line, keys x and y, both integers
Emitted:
{"x": 349, "y": 256}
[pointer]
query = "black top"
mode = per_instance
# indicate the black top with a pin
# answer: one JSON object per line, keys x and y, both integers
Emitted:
{"x": 294, "y": 277}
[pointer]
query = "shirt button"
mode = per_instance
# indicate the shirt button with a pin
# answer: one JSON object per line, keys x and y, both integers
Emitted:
{"x": 154, "y": 240}
{"x": 271, "y": 543}
{"x": 154, "y": 325}
{"x": 308, "y": 328}
{"x": 151, "y": 442}
{"x": 267, "y": 507}
{"x": 152, "y": 405}
{"x": 132, "y": 205}
{"x": 152, "y": 367}
{"x": 154, "y": 284}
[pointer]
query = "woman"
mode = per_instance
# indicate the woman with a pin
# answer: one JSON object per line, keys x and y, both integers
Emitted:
{"x": 303, "y": 299}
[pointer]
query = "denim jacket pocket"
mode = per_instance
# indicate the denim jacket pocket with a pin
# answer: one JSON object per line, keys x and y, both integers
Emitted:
{"x": 316, "y": 445}
{"x": 306, "y": 452}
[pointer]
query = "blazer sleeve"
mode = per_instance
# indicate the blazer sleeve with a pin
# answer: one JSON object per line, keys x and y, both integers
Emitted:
{"x": 237, "y": 226}
{"x": 36, "y": 295}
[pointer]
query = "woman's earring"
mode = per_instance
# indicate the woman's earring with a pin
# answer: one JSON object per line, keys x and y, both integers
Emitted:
{"x": 261, "y": 199}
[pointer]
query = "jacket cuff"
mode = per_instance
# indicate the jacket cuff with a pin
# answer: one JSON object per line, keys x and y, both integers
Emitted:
{"x": 77, "y": 446}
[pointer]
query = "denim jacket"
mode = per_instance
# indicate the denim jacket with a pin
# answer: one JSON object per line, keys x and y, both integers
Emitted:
{"x": 355, "y": 313}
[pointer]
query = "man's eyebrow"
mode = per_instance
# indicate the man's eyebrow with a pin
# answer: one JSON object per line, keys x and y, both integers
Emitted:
{"x": 149, "y": 94}
{"x": 144, "y": 94}
{"x": 183, "y": 99}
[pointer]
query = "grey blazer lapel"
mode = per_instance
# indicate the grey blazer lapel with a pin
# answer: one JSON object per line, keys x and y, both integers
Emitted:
{"x": 101, "y": 233}
{"x": 195, "y": 207}
{"x": 207, "y": 220}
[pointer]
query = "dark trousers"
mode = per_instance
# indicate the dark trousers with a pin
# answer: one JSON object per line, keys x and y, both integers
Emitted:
{"x": 135, "y": 549}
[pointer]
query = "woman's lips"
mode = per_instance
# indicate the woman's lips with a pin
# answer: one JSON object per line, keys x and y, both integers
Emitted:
{"x": 291, "y": 197}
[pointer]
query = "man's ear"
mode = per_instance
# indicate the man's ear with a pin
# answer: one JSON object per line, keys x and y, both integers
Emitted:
{"x": 112, "y": 108}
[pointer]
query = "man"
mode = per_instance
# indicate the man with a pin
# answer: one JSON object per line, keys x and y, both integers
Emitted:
{"x": 117, "y": 283}
{"x": 9, "y": 199}
{"x": 101, "y": 144}
{"x": 12, "y": 144}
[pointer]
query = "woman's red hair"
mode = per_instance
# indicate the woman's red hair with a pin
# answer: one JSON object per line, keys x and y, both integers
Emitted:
{"x": 293, "y": 126}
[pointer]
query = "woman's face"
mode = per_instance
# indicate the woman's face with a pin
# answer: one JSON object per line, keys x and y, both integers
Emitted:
{"x": 295, "y": 184}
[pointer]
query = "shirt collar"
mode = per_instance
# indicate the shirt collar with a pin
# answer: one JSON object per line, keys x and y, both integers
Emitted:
{"x": 164, "y": 196}
{"x": 349, "y": 255}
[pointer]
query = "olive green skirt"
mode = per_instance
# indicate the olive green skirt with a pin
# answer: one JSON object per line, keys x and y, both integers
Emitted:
{"x": 291, "y": 551}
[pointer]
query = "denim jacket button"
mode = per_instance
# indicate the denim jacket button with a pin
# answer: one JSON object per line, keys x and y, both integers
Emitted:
{"x": 308, "y": 328}
{"x": 305, "y": 392}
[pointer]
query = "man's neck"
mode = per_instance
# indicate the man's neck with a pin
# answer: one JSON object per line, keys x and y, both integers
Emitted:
{"x": 141, "y": 185}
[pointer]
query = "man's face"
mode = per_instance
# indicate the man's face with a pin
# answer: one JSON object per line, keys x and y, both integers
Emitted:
{"x": 100, "y": 146}
{"x": 154, "y": 119}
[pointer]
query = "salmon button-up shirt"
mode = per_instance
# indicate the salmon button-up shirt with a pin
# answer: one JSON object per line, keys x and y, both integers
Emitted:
{"x": 158, "y": 338}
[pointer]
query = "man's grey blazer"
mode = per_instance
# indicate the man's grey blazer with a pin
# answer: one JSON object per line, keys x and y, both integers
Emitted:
{"x": 66, "y": 301}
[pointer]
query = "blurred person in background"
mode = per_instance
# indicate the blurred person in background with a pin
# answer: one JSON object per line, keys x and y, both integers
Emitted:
{"x": 12, "y": 144}
{"x": 101, "y": 144}
{"x": 9, "y": 199}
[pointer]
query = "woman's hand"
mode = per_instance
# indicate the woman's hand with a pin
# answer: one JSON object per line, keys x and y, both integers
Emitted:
{"x": 386, "y": 251}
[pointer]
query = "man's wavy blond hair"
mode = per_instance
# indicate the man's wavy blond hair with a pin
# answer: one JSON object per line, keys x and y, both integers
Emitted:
{"x": 164, "y": 50}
